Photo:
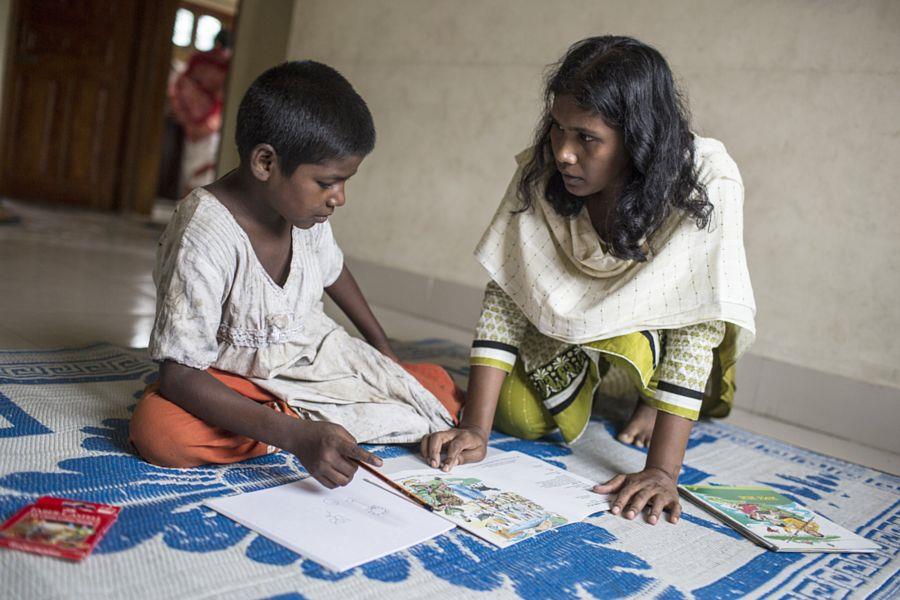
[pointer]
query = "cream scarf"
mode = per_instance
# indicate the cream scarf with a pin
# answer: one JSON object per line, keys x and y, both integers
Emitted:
{"x": 556, "y": 271}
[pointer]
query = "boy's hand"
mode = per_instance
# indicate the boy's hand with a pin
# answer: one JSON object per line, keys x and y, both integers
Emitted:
{"x": 652, "y": 488}
{"x": 328, "y": 451}
{"x": 464, "y": 445}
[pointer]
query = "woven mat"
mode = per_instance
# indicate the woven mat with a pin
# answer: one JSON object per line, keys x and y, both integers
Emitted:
{"x": 63, "y": 427}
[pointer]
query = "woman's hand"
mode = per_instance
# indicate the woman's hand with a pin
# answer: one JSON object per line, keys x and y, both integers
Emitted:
{"x": 463, "y": 445}
{"x": 652, "y": 488}
{"x": 328, "y": 452}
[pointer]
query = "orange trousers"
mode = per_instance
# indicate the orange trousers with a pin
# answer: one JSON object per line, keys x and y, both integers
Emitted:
{"x": 166, "y": 435}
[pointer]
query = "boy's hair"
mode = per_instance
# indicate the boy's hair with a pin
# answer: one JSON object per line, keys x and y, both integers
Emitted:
{"x": 628, "y": 84}
{"x": 307, "y": 112}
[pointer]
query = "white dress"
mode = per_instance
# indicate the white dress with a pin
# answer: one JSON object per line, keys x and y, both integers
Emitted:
{"x": 218, "y": 307}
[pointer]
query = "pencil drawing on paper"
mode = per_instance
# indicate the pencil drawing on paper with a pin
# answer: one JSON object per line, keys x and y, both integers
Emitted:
{"x": 374, "y": 510}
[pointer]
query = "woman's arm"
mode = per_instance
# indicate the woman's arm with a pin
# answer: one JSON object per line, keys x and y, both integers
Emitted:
{"x": 683, "y": 375}
{"x": 468, "y": 441}
{"x": 500, "y": 329}
{"x": 347, "y": 295}
{"x": 326, "y": 450}
{"x": 656, "y": 485}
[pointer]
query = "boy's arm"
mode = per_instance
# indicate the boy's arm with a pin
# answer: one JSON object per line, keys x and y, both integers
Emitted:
{"x": 326, "y": 450}
{"x": 656, "y": 485}
{"x": 347, "y": 295}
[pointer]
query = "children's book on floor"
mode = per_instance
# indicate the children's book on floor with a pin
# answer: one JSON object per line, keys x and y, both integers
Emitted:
{"x": 507, "y": 498}
{"x": 340, "y": 528}
{"x": 773, "y": 520}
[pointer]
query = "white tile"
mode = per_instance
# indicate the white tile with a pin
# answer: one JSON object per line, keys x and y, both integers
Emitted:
{"x": 74, "y": 297}
{"x": 823, "y": 443}
{"x": 61, "y": 329}
{"x": 12, "y": 341}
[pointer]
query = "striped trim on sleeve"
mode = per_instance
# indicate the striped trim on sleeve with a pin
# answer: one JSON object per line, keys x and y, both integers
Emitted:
{"x": 486, "y": 353}
{"x": 685, "y": 368}
{"x": 499, "y": 331}
{"x": 676, "y": 400}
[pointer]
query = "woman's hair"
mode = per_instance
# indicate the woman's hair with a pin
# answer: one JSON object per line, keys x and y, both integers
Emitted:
{"x": 307, "y": 112}
{"x": 630, "y": 86}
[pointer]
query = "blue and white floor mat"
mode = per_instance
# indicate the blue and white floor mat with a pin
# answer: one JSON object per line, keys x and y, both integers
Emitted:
{"x": 63, "y": 431}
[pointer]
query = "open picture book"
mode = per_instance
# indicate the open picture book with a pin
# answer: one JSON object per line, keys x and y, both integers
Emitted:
{"x": 773, "y": 520}
{"x": 506, "y": 498}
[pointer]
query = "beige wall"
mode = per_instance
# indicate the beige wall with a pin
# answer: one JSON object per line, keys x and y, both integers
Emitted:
{"x": 263, "y": 32}
{"x": 804, "y": 95}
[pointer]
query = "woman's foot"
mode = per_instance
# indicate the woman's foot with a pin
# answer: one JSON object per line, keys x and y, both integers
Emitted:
{"x": 639, "y": 427}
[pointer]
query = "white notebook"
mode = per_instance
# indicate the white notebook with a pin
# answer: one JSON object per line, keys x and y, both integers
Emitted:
{"x": 339, "y": 529}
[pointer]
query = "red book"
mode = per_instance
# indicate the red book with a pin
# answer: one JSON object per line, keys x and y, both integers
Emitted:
{"x": 58, "y": 527}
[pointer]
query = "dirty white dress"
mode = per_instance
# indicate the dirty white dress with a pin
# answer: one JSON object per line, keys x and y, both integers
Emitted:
{"x": 218, "y": 307}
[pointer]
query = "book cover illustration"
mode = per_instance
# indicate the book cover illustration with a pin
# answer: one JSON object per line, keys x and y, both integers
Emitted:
{"x": 776, "y": 520}
{"x": 58, "y": 527}
{"x": 500, "y": 517}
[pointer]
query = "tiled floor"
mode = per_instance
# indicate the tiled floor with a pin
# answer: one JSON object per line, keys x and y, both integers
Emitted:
{"x": 69, "y": 278}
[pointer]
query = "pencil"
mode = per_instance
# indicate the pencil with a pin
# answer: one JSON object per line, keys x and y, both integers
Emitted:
{"x": 394, "y": 485}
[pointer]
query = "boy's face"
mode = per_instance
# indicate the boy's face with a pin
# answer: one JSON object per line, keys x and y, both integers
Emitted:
{"x": 313, "y": 191}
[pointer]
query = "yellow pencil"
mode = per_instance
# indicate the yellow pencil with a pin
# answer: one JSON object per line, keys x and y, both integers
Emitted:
{"x": 393, "y": 484}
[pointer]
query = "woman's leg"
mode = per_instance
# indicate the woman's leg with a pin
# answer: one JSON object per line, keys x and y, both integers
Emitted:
{"x": 639, "y": 427}
{"x": 520, "y": 411}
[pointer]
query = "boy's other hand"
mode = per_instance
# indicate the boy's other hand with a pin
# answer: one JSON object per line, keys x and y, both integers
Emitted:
{"x": 652, "y": 488}
{"x": 328, "y": 452}
{"x": 463, "y": 445}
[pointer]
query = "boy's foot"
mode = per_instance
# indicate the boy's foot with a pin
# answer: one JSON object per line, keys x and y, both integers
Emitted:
{"x": 639, "y": 427}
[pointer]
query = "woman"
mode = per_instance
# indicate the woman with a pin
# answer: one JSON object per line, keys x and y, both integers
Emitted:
{"x": 618, "y": 247}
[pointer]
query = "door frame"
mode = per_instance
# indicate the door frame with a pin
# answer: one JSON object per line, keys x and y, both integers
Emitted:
{"x": 141, "y": 140}
{"x": 143, "y": 136}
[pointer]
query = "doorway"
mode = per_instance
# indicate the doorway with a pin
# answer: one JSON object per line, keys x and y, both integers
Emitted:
{"x": 202, "y": 47}
{"x": 86, "y": 92}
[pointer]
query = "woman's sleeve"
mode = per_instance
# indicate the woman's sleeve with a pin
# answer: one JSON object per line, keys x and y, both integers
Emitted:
{"x": 191, "y": 290}
{"x": 685, "y": 368}
{"x": 330, "y": 256}
{"x": 499, "y": 332}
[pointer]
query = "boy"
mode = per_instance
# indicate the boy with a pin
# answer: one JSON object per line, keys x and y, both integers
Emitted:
{"x": 244, "y": 345}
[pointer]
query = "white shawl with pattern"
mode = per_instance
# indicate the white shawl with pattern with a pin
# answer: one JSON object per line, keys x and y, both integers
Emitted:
{"x": 556, "y": 271}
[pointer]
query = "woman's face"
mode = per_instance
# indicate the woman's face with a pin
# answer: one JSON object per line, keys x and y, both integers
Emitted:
{"x": 589, "y": 153}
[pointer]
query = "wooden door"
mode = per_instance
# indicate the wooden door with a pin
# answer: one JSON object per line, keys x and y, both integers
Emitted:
{"x": 65, "y": 103}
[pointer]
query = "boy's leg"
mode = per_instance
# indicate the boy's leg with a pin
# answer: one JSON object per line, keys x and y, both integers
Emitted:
{"x": 166, "y": 435}
{"x": 437, "y": 381}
